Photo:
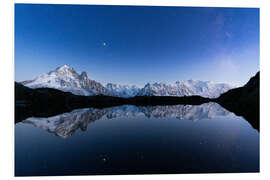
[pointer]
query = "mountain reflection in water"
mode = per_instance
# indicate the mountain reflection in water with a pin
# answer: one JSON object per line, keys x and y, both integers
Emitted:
{"x": 66, "y": 124}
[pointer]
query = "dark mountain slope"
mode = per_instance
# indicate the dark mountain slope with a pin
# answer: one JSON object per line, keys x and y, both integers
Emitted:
{"x": 244, "y": 101}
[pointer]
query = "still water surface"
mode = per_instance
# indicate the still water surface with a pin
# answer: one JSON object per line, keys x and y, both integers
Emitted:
{"x": 137, "y": 140}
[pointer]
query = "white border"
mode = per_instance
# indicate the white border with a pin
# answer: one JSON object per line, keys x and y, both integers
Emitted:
{"x": 214, "y": 3}
{"x": 7, "y": 85}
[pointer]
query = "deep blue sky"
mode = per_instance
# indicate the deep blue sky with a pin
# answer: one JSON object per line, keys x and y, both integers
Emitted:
{"x": 136, "y": 45}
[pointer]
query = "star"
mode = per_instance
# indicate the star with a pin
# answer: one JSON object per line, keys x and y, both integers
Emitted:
{"x": 104, "y": 43}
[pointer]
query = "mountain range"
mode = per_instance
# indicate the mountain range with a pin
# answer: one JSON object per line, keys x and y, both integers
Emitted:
{"x": 66, "y": 79}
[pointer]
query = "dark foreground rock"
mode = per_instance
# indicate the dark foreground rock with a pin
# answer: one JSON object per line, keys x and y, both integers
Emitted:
{"x": 244, "y": 101}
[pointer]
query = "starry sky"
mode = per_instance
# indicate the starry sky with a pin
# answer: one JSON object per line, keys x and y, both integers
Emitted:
{"x": 138, "y": 44}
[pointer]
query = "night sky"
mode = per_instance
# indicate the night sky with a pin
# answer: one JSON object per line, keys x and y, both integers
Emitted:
{"x": 138, "y": 44}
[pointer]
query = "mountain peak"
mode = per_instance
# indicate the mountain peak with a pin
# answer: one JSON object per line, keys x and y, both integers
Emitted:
{"x": 64, "y": 68}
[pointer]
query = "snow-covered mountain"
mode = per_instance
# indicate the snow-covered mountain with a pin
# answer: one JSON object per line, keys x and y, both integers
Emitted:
{"x": 123, "y": 90}
{"x": 65, "y": 78}
{"x": 186, "y": 88}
